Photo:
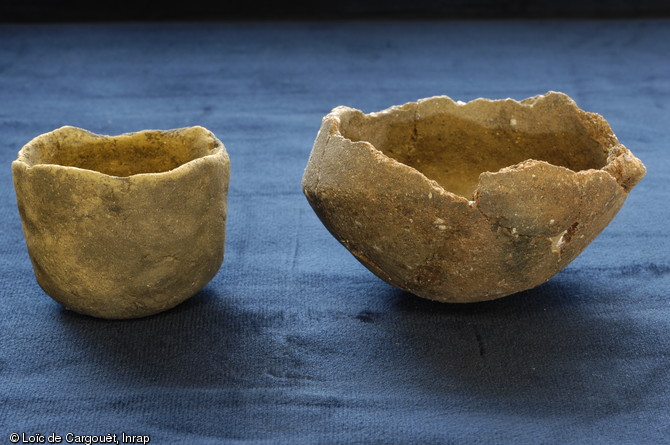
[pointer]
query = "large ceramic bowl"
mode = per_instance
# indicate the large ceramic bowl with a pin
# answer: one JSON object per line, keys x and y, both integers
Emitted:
{"x": 463, "y": 202}
{"x": 123, "y": 226}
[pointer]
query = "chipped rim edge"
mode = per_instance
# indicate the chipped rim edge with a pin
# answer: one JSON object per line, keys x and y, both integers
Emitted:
{"x": 614, "y": 150}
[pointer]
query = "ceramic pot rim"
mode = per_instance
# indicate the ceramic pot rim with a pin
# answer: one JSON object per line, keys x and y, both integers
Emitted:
{"x": 217, "y": 150}
{"x": 625, "y": 168}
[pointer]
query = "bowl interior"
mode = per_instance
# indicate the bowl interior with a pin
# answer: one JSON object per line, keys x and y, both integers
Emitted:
{"x": 150, "y": 151}
{"x": 453, "y": 148}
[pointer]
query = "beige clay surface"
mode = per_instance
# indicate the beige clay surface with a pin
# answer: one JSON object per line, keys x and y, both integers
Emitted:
{"x": 123, "y": 226}
{"x": 467, "y": 202}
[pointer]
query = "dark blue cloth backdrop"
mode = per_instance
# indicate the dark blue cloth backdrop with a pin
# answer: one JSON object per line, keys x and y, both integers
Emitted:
{"x": 294, "y": 341}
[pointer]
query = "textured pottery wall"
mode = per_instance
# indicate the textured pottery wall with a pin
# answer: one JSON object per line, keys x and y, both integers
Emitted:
{"x": 123, "y": 226}
{"x": 468, "y": 202}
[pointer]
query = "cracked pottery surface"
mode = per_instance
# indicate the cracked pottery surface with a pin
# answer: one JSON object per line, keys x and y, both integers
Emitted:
{"x": 465, "y": 202}
{"x": 123, "y": 226}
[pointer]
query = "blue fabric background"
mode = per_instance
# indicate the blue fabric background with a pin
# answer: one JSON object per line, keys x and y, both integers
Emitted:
{"x": 294, "y": 341}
